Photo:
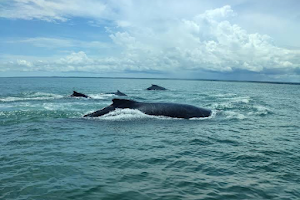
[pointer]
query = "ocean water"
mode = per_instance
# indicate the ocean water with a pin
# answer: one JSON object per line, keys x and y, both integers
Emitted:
{"x": 248, "y": 149}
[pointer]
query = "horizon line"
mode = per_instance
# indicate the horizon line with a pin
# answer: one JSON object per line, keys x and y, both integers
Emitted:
{"x": 187, "y": 79}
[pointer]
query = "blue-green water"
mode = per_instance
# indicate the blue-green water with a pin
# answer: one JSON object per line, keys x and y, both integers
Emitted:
{"x": 248, "y": 149}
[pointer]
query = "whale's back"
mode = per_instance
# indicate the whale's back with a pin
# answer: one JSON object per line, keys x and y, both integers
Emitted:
{"x": 158, "y": 109}
{"x": 173, "y": 110}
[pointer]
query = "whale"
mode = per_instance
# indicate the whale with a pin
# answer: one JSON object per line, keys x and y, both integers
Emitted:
{"x": 118, "y": 93}
{"x": 174, "y": 110}
{"x": 156, "y": 87}
{"x": 77, "y": 94}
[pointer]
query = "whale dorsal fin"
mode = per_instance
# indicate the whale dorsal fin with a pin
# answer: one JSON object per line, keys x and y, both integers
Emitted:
{"x": 121, "y": 102}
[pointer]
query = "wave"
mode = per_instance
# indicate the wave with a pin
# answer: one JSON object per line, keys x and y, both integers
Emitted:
{"x": 235, "y": 102}
{"x": 225, "y": 95}
{"x": 101, "y": 96}
{"x": 32, "y": 96}
{"x": 255, "y": 110}
{"x": 63, "y": 106}
{"x": 234, "y": 115}
{"x": 241, "y": 104}
{"x": 261, "y": 110}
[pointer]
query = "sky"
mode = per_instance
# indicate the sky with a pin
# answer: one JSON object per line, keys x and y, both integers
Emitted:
{"x": 256, "y": 40}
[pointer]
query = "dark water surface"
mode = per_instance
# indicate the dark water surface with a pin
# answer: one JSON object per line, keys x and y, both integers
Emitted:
{"x": 248, "y": 149}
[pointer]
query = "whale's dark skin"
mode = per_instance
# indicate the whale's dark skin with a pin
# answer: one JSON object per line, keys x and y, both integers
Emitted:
{"x": 118, "y": 93}
{"x": 158, "y": 109}
{"x": 77, "y": 94}
{"x": 156, "y": 87}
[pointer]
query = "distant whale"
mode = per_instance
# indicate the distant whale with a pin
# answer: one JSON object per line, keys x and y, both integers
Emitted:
{"x": 156, "y": 87}
{"x": 118, "y": 93}
{"x": 77, "y": 94}
{"x": 158, "y": 109}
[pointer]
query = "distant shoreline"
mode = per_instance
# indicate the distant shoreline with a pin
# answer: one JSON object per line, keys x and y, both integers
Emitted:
{"x": 217, "y": 80}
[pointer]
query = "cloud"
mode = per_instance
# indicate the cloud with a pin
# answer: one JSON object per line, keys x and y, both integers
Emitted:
{"x": 76, "y": 61}
{"x": 56, "y": 10}
{"x": 57, "y": 43}
{"x": 205, "y": 42}
{"x": 158, "y": 37}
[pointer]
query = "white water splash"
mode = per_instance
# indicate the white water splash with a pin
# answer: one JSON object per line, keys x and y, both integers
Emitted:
{"x": 124, "y": 114}
{"x": 245, "y": 100}
{"x": 260, "y": 110}
{"x": 101, "y": 96}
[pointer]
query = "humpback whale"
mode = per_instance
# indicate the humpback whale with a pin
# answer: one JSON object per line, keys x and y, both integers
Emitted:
{"x": 119, "y": 93}
{"x": 156, "y": 87}
{"x": 158, "y": 109}
{"x": 77, "y": 94}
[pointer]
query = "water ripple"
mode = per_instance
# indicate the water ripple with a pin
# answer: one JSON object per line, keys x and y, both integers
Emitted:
{"x": 249, "y": 148}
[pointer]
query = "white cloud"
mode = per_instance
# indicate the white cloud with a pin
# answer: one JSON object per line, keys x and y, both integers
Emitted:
{"x": 53, "y": 43}
{"x": 159, "y": 36}
{"x": 74, "y": 62}
{"x": 218, "y": 13}
{"x": 44, "y": 42}
{"x": 55, "y": 10}
{"x": 205, "y": 42}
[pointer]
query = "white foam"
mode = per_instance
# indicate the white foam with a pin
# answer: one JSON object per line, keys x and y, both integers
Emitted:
{"x": 43, "y": 94}
{"x": 50, "y": 106}
{"x": 232, "y": 102}
{"x": 240, "y": 100}
{"x": 5, "y": 106}
{"x": 133, "y": 114}
{"x": 225, "y": 95}
{"x": 234, "y": 115}
{"x": 260, "y": 110}
{"x": 124, "y": 114}
{"x": 101, "y": 96}
{"x": 223, "y": 105}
